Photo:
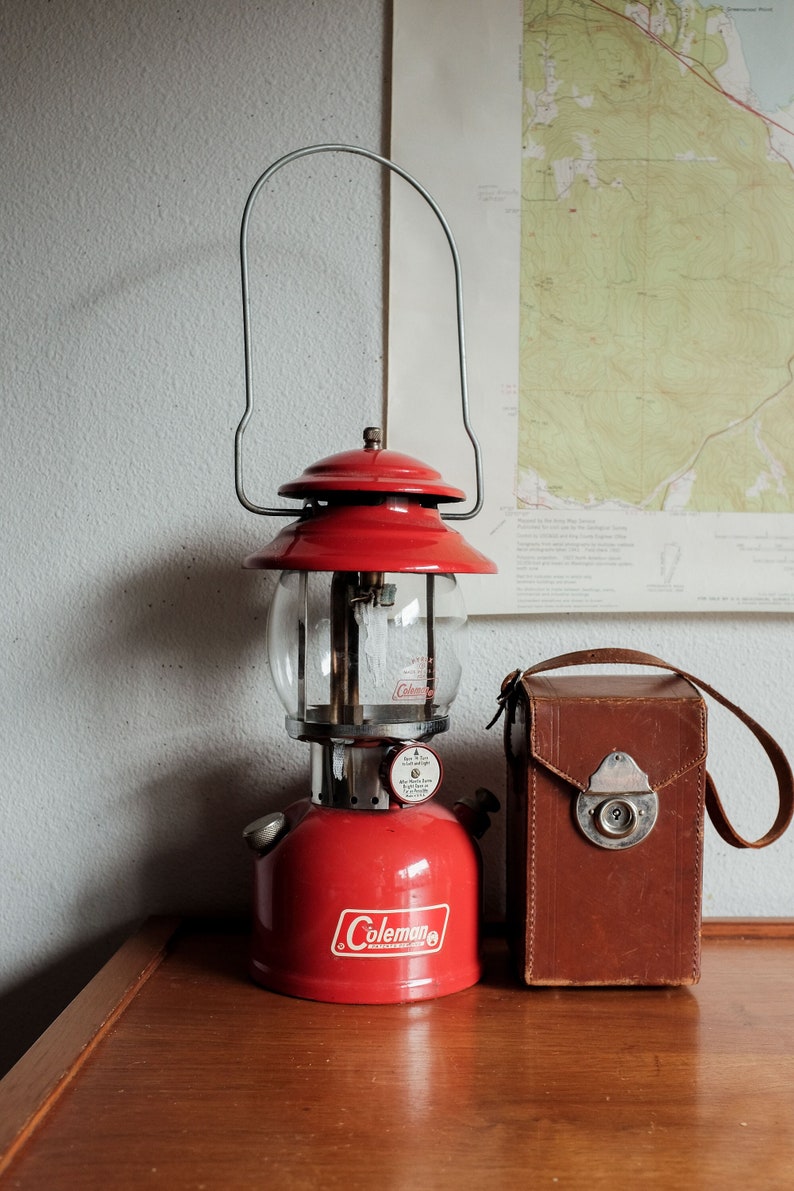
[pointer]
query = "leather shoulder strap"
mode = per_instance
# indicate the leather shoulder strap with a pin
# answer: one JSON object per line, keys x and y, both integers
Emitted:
{"x": 785, "y": 780}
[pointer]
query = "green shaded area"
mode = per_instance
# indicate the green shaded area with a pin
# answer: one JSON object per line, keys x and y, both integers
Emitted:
{"x": 657, "y": 288}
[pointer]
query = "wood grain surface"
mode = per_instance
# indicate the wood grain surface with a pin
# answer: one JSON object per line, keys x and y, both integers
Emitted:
{"x": 207, "y": 1081}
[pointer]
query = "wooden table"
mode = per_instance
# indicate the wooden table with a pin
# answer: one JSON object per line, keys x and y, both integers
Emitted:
{"x": 172, "y": 1070}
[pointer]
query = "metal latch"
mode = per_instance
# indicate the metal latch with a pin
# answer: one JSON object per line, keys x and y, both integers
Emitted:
{"x": 618, "y": 808}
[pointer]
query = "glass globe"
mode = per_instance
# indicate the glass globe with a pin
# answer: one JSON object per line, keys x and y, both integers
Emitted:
{"x": 366, "y": 651}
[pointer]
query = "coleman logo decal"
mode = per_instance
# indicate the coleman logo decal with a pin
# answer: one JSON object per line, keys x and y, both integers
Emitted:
{"x": 419, "y": 930}
{"x": 408, "y": 690}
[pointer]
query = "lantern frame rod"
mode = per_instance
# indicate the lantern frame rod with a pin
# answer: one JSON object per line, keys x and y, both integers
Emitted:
{"x": 281, "y": 511}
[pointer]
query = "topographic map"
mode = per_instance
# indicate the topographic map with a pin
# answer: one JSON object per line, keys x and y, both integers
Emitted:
{"x": 620, "y": 177}
{"x": 657, "y": 288}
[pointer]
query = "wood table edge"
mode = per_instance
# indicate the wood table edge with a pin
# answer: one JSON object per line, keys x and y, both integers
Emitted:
{"x": 34, "y": 1083}
{"x": 747, "y": 928}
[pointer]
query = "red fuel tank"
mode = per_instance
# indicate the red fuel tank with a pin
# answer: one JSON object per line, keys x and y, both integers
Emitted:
{"x": 367, "y": 907}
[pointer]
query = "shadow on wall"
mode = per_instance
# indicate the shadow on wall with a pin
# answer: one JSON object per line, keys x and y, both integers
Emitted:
{"x": 184, "y": 665}
{"x": 471, "y": 764}
{"x": 192, "y": 859}
{"x": 170, "y": 661}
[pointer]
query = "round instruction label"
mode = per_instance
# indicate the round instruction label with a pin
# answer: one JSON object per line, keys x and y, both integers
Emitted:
{"x": 414, "y": 773}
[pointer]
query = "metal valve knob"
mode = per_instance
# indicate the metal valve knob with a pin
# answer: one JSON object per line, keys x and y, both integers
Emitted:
{"x": 263, "y": 833}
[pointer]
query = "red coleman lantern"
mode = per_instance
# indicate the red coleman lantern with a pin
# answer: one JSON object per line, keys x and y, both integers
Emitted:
{"x": 367, "y": 890}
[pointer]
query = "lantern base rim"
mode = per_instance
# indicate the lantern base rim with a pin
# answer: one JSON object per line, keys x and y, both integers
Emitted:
{"x": 307, "y": 988}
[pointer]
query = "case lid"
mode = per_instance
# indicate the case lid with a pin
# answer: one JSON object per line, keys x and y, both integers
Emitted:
{"x": 576, "y": 721}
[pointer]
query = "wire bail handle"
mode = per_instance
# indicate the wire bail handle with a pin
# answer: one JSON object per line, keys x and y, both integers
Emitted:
{"x": 249, "y": 378}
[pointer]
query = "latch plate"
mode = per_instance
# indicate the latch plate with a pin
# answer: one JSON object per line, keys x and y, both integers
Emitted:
{"x": 618, "y": 809}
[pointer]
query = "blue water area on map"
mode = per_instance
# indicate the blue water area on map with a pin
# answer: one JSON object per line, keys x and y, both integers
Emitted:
{"x": 767, "y": 35}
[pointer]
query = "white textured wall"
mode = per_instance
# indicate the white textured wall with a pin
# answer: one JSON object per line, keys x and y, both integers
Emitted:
{"x": 139, "y": 727}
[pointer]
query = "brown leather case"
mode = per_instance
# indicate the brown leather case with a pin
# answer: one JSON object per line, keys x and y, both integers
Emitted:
{"x": 586, "y": 906}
